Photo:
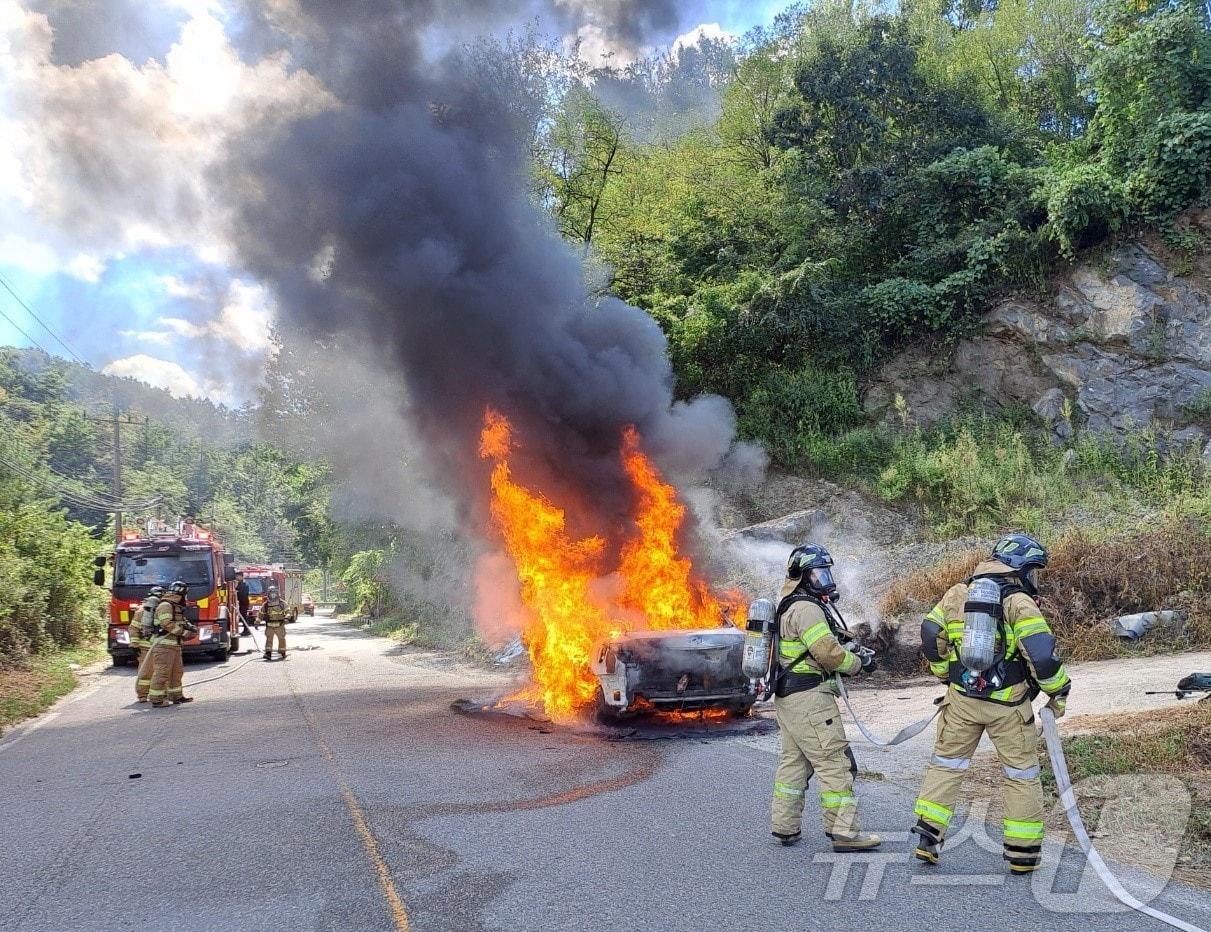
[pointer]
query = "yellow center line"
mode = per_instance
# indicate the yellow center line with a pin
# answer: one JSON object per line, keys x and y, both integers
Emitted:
{"x": 395, "y": 903}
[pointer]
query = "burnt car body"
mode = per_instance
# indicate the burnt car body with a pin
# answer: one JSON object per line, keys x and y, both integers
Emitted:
{"x": 672, "y": 671}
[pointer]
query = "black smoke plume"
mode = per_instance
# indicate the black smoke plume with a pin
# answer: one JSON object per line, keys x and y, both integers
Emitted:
{"x": 402, "y": 214}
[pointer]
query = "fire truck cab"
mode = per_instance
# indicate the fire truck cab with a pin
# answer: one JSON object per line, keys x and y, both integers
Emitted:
{"x": 158, "y": 556}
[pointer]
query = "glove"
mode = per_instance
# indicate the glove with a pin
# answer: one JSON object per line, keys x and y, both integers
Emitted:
{"x": 1057, "y": 704}
{"x": 869, "y": 661}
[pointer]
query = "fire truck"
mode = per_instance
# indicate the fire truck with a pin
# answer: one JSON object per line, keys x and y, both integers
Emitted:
{"x": 289, "y": 581}
{"x": 158, "y": 556}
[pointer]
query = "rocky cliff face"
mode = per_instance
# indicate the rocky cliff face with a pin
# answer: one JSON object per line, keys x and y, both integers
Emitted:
{"x": 1121, "y": 345}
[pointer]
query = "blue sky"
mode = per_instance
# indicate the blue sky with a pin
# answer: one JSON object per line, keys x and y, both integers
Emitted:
{"x": 107, "y": 228}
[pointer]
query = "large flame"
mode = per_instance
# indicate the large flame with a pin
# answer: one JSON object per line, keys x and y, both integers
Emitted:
{"x": 567, "y": 611}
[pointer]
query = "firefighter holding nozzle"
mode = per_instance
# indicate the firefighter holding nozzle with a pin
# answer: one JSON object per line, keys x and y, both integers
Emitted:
{"x": 274, "y": 615}
{"x": 809, "y": 721}
{"x": 988, "y": 640}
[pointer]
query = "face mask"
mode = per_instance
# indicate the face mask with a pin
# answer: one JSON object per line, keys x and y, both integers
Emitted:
{"x": 821, "y": 579}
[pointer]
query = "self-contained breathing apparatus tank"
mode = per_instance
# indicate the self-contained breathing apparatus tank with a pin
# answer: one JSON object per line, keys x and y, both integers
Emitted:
{"x": 981, "y": 618}
{"x": 758, "y": 640}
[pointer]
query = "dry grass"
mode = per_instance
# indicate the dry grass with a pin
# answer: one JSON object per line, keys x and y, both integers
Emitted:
{"x": 1175, "y": 742}
{"x": 1092, "y": 579}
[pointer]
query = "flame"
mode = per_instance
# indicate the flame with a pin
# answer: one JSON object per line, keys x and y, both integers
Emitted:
{"x": 567, "y": 612}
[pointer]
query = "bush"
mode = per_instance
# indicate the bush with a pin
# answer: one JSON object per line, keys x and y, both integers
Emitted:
{"x": 792, "y": 410}
{"x": 1084, "y": 204}
{"x": 366, "y": 587}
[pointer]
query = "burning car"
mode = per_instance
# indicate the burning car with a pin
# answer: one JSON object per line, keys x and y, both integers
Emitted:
{"x": 679, "y": 670}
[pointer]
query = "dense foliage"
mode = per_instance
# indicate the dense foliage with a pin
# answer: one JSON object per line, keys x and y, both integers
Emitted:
{"x": 265, "y": 504}
{"x": 872, "y": 178}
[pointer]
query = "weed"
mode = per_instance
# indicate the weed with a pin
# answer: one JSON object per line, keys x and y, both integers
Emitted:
{"x": 29, "y": 688}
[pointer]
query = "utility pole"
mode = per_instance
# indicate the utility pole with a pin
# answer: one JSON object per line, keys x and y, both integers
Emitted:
{"x": 117, "y": 473}
{"x": 117, "y": 420}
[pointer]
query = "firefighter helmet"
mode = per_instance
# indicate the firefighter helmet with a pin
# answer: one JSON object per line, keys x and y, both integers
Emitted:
{"x": 273, "y": 590}
{"x": 178, "y": 588}
{"x": 1024, "y": 554}
{"x": 812, "y": 564}
{"x": 157, "y": 591}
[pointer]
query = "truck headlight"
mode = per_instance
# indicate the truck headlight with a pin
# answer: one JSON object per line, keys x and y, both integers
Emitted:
{"x": 205, "y": 632}
{"x": 122, "y": 636}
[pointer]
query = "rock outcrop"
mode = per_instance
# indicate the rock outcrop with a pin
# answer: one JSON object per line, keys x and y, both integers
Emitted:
{"x": 1118, "y": 348}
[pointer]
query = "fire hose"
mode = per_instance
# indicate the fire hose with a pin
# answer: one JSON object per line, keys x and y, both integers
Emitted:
{"x": 211, "y": 679}
{"x": 909, "y": 731}
{"x": 1063, "y": 780}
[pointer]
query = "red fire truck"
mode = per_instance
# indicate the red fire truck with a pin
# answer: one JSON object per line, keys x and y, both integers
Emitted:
{"x": 159, "y": 556}
{"x": 288, "y": 579}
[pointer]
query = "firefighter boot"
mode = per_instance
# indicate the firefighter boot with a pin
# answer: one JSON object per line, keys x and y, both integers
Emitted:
{"x": 268, "y": 655}
{"x": 182, "y": 699}
{"x": 862, "y": 841}
{"x": 282, "y": 654}
{"x": 788, "y": 840}
{"x": 929, "y": 843}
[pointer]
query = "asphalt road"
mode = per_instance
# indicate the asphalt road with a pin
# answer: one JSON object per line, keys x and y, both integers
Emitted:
{"x": 337, "y": 790}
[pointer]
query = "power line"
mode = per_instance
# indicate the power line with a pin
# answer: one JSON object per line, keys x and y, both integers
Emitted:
{"x": 87, "y": 499}
{"x": 17, "y": 327}
{"x": 9, "y": 288}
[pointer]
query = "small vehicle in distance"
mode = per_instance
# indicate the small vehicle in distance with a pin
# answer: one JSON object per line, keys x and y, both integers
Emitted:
{"x": 308, "y": 604}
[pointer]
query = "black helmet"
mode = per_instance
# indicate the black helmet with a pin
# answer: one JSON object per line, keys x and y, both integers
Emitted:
{"x": 812, "y": 564}
{"x": 1022, "y": 553}
{"x": 178, "y": 588}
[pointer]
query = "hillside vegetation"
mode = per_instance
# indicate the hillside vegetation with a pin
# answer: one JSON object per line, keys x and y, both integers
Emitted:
{"x": 871, "y": 181}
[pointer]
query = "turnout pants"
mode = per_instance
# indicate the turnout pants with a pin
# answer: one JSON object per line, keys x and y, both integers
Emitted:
{"x": 167, "y": 671}
{"x": 278, "y": 632}
{"x": 143, "y": 673}
{"x": 1011, "y": 729}
{"x": 813, "y": 741}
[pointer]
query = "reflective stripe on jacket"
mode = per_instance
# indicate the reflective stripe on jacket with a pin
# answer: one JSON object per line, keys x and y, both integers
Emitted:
{"x": 1027, "y": 636}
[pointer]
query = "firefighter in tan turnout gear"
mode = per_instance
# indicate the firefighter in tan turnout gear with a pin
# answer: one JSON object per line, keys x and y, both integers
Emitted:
{"x": 809, "y": 722}
{"x": 141, "y": 628}
{"x": 989, "y": 641}
{"x": 274, "y": 616}
{"x": 164, "y": 655}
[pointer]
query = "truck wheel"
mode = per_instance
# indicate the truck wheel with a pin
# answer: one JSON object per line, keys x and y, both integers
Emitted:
{"x": 121, "y": 661}
{"x": 220, "y": 655}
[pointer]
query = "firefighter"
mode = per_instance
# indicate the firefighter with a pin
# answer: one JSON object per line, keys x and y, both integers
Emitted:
{"x": 164, "y": 655}
{"x": 809, "y": 722}
{"x": 273, "y": 614}
{"x": 995, "y": 700}
{"x": 141, "y": 627}
{"x": 241, "y": 598}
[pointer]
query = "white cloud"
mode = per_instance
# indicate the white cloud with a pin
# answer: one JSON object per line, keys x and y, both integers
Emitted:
{"x": 242, "y": 322}
{"x": 157, "y": 372}
{"x": 157, "y": 337}
{"x": 86, "y": 267}
{"x": 702, "y": 31}
{"x": 114, "y": 155}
